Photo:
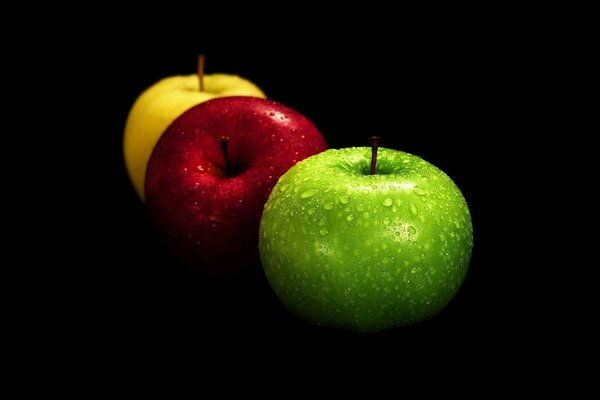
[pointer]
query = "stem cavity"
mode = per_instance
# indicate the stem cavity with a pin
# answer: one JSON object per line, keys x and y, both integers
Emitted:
{"x": 224, "y": 144}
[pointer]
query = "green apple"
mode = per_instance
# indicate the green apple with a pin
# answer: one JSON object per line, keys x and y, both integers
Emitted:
{"x": 166, "y": 100}
{"x": 341, "y": 247}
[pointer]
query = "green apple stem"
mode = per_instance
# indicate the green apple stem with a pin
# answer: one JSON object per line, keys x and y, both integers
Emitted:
{"x": 224, "y": 143}
{"x": 201, "y": 58}
{"x": 374, "y": 146}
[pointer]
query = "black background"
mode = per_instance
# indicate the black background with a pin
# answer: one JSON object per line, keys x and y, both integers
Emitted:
{"x": 447, "y": 96}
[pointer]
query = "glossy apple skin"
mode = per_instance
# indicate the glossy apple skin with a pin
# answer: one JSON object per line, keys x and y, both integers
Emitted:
{"x": 347, "y": 249}
{"x": 210, "y": 220}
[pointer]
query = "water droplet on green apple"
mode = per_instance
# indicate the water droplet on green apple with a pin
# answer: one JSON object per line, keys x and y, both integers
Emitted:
{"x": 388, "y": 202}
{"x": 349, "y": 217}
{"x": 308, "y": 193}
{"x": 311, "y": 211}
{"x": 386, "y": 221}
{"x": 283, "y": 188}
{"x": 420, "y": 191}
{"x": 344, "y": 199}
{"x": 328, "y": 205}
{"x": 412, "y": 230}
{"x": 323, "y": 232}
{"x": 360, "y": 207}
{"x": 413, "y": 209}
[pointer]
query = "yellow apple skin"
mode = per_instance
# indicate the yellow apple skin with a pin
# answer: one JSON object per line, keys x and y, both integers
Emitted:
{"x": 160, "y": 104}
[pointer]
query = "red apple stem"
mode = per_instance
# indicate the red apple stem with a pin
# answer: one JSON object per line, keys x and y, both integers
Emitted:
{"x": 224, "y": 144}
{"x": 201, "y": 59}
{"x": 374, "y": 146}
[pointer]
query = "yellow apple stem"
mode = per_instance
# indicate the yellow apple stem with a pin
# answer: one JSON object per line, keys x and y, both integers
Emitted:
{"x": 224, "y": 142}
{"x": 201, "y": 58}
{"x": 374, "y": 146}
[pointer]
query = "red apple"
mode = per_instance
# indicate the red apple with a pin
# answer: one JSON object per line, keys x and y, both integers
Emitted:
{"x": 209, "y": 213}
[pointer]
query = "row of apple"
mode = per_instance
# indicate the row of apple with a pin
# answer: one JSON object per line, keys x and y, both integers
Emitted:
{"x": 359, "y": 238}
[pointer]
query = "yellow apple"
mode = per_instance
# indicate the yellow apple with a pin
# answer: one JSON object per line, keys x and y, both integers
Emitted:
{"x": 166, "y": 100}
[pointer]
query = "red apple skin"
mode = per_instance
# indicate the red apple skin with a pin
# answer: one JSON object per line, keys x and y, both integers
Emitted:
{"x": 209, "y": 219}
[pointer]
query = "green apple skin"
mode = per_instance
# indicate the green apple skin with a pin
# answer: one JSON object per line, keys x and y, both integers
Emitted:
{"x": 346, "y": 249}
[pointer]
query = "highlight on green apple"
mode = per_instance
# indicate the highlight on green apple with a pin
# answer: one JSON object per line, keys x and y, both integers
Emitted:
{"x": 365, "y": 239}
{"x": 159, "y": 105}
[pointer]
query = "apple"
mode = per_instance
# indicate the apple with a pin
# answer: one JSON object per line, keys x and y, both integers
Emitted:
{"x": 166, "y": 100}
{"x": 212, "y": 171}
{"x": 345, "y": 248}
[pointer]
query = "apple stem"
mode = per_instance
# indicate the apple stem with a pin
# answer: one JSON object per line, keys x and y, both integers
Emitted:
{"x": 201, "y": 58}
{"x": 374, "y": 146}
{"x": 224, "y": 143}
